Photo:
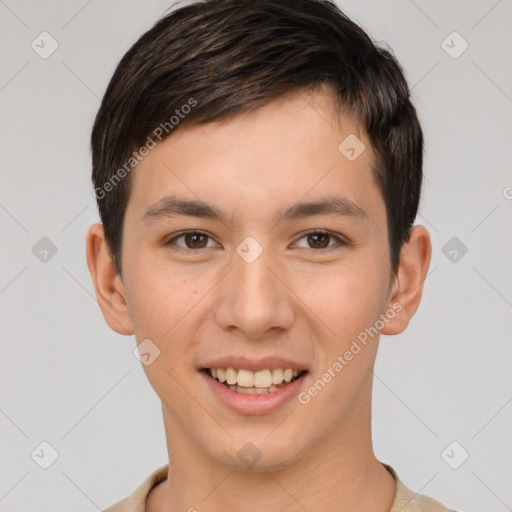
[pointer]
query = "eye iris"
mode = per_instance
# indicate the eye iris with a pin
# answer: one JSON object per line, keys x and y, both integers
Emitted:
{"x": 193, "y": 238}
{"x": 314, "y": 237}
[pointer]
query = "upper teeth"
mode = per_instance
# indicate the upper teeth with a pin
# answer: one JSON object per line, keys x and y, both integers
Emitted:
{"x": 259, "y": 379}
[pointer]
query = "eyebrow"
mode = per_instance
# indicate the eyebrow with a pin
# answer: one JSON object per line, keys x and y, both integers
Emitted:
{"x": 172, "y": 206}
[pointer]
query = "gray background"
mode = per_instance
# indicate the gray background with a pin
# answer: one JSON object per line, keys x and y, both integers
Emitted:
{"x": 67, "y": 379}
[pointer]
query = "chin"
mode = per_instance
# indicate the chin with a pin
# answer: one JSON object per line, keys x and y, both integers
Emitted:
{"x": 259, "y": 454}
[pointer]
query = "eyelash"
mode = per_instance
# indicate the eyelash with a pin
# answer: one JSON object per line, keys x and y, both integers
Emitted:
{"x": 340, "y": 241}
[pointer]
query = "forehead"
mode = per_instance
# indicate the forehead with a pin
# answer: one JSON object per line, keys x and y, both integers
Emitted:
{"x": 298, "y": 146}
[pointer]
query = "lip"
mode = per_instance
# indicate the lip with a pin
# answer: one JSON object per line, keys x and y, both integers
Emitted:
{"x": 245, "y": 363}
{"x": 253, "y": 404}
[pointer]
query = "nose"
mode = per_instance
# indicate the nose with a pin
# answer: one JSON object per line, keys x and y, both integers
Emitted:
{"x": 254, "y": 299}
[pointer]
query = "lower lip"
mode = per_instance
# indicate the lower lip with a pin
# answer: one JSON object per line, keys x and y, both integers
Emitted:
{"x": 254, "y": 404}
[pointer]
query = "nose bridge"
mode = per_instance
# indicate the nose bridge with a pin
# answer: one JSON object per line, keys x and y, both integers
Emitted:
{"x": 254, "y": 300}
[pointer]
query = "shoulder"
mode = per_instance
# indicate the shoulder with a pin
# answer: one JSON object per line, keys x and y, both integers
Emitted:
{"x": 120, "y": 506}
{"x": 408, "y": 501}
{"x": 136, "y": 501}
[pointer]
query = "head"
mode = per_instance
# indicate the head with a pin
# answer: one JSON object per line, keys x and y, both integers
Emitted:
{"x": 251, "y": 108}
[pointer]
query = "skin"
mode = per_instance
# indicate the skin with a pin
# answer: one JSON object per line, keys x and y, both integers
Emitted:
{"x": 296, "y": 300}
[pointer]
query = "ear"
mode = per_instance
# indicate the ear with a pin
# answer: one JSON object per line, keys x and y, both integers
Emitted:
{"x": 107, "y": 284}
{"x": 407, "y": 287}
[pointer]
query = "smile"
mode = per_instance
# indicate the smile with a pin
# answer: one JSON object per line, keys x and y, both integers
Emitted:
{"x": 254, "y": 383}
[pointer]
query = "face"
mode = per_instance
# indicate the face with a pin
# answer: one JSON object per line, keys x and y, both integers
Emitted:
{"x": 251, "y": 278}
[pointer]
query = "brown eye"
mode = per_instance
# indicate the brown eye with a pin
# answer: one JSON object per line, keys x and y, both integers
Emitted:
{"x": 195, "y": 240}
{"x": 322, "y": 240}
{"x": 318, "y": 240}
{"x": 190, "y": 240}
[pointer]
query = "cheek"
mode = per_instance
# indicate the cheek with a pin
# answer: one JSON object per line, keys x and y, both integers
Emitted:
{"x": 346, "y": 299}
{"x": 161, "y": 298}
{"x": 162, "y": 304}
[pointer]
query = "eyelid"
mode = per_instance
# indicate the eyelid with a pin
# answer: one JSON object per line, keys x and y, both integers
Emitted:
{"x": 341, "y": 241}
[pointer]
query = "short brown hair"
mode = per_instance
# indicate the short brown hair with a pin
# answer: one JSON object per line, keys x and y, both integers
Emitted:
{"x": 221, "y": 58}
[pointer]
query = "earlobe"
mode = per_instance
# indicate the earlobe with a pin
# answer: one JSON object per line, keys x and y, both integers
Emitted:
{"x": 407, "y": 288}
{"x": 107, "y": 284}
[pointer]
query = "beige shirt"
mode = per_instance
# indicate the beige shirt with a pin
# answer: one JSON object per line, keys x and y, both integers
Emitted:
{"x": 405, "y": 499}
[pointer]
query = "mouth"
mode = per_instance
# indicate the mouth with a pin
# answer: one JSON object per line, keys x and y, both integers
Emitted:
{"x": 259, "y": 382}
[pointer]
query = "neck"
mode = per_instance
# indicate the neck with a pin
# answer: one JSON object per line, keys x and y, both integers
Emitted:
{"x": 338, "y": 472}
